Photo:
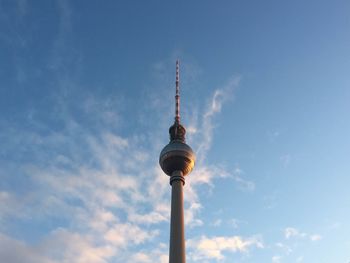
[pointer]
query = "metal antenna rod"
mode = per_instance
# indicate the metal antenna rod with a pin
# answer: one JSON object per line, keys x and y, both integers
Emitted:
{"x": 177, "y": 96}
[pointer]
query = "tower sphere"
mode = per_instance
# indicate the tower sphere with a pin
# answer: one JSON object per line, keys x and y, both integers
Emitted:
{"x": 177, "y": 156}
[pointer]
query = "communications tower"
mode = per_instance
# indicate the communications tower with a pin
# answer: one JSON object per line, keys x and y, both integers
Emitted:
{"x": 177, "y": 160}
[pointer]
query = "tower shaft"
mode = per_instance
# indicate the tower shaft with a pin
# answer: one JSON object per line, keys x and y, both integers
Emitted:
{"x": 177, "y": 227}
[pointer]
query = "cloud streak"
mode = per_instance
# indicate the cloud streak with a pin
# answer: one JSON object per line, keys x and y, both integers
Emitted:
{"x": 291, "y": 232}
{"x": 213, "y": 108}
{"x": 205, "y": 248}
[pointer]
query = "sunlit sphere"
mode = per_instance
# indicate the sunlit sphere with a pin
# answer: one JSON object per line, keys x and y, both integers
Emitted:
{"x": 177, "y": 156}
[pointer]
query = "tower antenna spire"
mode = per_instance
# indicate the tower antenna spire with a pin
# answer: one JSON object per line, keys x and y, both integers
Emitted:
{"x": 177, "y": 94}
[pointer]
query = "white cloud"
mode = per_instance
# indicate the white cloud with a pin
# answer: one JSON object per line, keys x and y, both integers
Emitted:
{"x": 22, "y": 8}
{"x": 213, "y": 248}
{"x": 217, "y": 222}
{"x": 59, "y": 246}
{"x": 276, "y": 259}
{"x": 244, "y": 184}
{"x": 315, "y": 237}
{"x": 300, "y": 259}
{"x": 122, "y": 235}
{"x": 8, "y": 204}
{"x": 66, "y": 246}
{"x": 207, "y": 175}
{"x": 290, "y": 232}
{"x": 285, "y": 159}
{"x": 14, "y": 251}
{"x": 153, "y": 217}
{"x": 287, "y": 249}
{"x": 159, "y": 254}
{"x": 235, "y": 223}
{"x": 141, "y": 258}
{"x": 335, "y": 225}
{"x": 293, "y": 232}
{"x": 213, "y": 108}
{"x": 190, "y": 214}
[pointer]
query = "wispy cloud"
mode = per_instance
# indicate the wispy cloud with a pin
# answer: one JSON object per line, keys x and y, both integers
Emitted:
{"x": 67, "y": 246}
{"x": 59, "y": 55}
{"x": 276, "y": 259}
{"x": 286, "y": 159}
{"x": 205, "y": 248}
{"x": 214, "y": 107}
{"x": 291, "y": 232}
{"x": 315, "y": 237}
{"x": 22, "y": 7}
{"x": 300, "y": 259}
{"x": 217, "y": 222}
{"x": 84, "y": 186}
{"x": 160, "y": 254}
{"x": 293, "y": 238}
{"x": 286, "y": 249}
{"x": 14, "y": 251}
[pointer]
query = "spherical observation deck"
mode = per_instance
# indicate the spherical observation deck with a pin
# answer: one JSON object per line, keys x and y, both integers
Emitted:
{"x": 177, "y": 156}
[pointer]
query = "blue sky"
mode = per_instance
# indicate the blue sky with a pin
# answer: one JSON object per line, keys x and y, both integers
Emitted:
{"x": 86, "y": 99}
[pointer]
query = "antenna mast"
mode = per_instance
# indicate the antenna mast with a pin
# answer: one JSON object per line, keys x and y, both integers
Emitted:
{"x": 177, "y": 95}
